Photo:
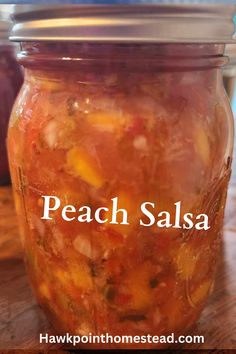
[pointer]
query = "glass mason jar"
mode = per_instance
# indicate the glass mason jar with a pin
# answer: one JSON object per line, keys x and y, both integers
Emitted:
{"x": 104, "y": 119}
{"x": 10, "y": 82}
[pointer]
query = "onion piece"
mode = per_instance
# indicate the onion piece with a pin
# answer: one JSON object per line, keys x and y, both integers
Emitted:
{"x": 82, "y": 244}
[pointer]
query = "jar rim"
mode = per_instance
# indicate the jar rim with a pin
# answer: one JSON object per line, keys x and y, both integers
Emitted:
{"x": 132, "y": 23}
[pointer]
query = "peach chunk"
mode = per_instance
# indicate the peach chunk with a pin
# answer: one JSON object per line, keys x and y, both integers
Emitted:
{"x": 201, "y": 292}
{"x": 81, "y": 163}
{"x": 45, "y": 291}
{"x": 112, "y": 121}
{"x": 130, "y": 203}
{"x": 77, "y": 275}
{"x": 138, "y": 286}
{"x": 202, "y": 144}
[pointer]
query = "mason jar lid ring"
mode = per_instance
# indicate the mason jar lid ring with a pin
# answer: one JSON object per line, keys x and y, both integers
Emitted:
{"x": 141, "y": 23}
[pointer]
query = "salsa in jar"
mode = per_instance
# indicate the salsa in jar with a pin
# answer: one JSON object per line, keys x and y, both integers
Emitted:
{"x": 131, "y": 122}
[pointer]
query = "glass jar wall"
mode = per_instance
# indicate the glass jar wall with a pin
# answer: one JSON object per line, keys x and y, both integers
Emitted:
{"x": 137, "y": 122}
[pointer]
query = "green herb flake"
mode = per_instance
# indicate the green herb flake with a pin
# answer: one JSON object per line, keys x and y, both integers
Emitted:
{"x": 93, "y": 268}
{"x": 110, "y": 292}
{"x": 133, "y": 317}
{"x": 153, "y": 283}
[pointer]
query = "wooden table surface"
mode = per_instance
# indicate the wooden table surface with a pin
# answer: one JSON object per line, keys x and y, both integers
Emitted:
{"x": 21, "y": 320}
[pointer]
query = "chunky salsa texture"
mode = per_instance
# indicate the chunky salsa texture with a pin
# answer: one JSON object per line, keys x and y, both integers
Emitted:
{"x": 148, "y": 132}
